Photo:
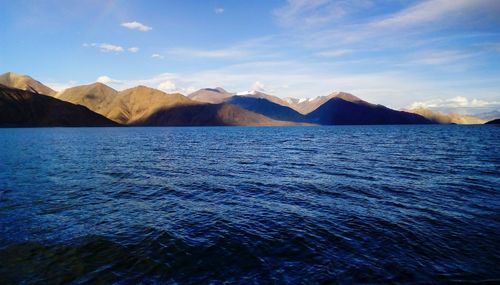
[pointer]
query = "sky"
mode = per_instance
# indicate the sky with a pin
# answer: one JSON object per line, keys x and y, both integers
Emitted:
{"x": 400, "y": 53}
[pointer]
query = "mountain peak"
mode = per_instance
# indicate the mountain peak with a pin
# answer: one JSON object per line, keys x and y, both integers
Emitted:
{"x": 216, "y": 89}
{"x": 25, "y": 82}
{"x": 346, "y": 96}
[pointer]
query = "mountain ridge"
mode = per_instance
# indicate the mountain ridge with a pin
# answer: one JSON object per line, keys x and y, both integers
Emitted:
{"x": 25, "y": 82}
{"x": 22, "y": 108}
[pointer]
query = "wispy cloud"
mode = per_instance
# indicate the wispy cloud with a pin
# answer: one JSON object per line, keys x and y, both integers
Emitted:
{"x": 440, "y": 57}
{"x": 157, "y": 56}
{"x": 133, "y": 49}
{"x": 334, "y": 52}
{"x": 430, "y": 11}
{"x": 458, "y": 102}
{"x": 262, "y": 46}
{"x": 313, "y": 13}
{"x": 136, "y": 26}
{"x": 214, "y": 53}
{"x": 104, "y": 47}
{"x": 385, "y": 29}
{"x": 219, "y": 10}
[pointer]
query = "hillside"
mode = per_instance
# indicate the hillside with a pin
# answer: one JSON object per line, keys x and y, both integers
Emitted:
{"x": 24, "y": 82}
{"x": 338, "y": 111}
{"x": 208, "y": 115}
{"x": 451, "y": 118}
{"x": 20, "y": 108}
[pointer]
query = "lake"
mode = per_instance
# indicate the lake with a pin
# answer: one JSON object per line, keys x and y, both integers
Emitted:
{"x": 250, "y": 205}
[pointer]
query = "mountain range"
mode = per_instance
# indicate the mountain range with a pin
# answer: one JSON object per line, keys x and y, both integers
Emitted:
{"x": 23, "y": 98}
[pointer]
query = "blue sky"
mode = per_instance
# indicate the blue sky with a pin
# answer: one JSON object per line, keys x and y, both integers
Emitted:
{"x": 441, "y": 53}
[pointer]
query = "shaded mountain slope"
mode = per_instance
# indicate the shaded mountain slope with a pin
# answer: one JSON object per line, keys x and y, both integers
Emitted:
{"x": 258, "y": 94}
{"x": 338, "y": 111}
{"x": 209, "y": 115}
{"x": 20, "y": 108}
{"x": 443, "y": 118}
{"x": 138, "y": 103}
{"x": 24, "y": 82}
{"x": 493, "y": 122}
{"x": 266, "y": 108}
{"x": 210, "y": 95}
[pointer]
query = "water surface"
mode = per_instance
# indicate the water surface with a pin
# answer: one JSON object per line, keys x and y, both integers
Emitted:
{"x": 315, "y": 205}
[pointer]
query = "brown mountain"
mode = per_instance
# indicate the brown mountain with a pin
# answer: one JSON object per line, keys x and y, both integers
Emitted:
{"x": 350, "y": 110}
{"x": 21, "y": 108}
{"x": 147, "y": 106}
{"x": 24, "y": 82}
{"x": 125, "y": 107}
{"x": 451, "y": 118}
{"x": 138, "y": 103}
{"x": 97, "y": 97}
{"x": 210, "y": 95}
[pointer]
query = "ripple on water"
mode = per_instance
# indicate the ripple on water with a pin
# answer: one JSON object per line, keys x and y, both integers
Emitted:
{"x": 341, "y": 204}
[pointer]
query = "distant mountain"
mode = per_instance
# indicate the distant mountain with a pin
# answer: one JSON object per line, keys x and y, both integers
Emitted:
{"x": 20, "y": 108}
{"x": 350, "y": 110}
{"x": 258, "y": 94}
{"x": 209, "y": 115}
{"x": 24, "y": 82}
{"x": 493, "y": 122}
{"x": 307, "y": 105}
{"x": 488, "y": 116}
{"x": 210, "y": 95}
{"x": 267, "y": 108}
{"x": 443, "y": 118}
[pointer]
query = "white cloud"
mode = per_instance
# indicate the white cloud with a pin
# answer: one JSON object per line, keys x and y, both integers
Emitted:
{"x": 167, "y": 86}
{"x": 157, "y": 56}
{"x": 136, "y": 26}
{"x": 104, "y": 79}
{"x": 59, "y": 86}
{"x": 219, "y": 10}
{"x": 104, "y": 47}
{"x": 258, "y": 86}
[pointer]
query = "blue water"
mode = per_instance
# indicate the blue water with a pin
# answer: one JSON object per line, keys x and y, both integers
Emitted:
{"x": 310, "y": 205}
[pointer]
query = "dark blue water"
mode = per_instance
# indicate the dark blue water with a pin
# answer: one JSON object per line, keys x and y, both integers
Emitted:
{"x": 310, "y": 205}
